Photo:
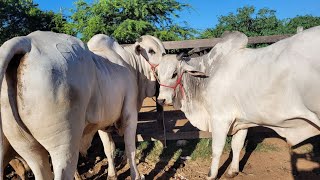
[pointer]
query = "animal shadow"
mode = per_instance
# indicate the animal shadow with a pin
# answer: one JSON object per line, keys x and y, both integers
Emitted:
{"x": 311, "y": 155}
{"x": 254, "y": 137}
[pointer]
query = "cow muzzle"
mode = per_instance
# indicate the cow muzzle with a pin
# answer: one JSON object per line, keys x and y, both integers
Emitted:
{"x": 161, "y": 101}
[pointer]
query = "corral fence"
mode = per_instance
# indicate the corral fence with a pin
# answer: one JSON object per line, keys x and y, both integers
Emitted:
{"x": 158, "y": 123}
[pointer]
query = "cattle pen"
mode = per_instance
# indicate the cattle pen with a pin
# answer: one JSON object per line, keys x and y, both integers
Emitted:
{"x": 158, "y": 124}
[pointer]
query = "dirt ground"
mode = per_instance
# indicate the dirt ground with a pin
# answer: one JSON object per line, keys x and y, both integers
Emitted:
{"x": 274, "y": 160}
{"x": 265, "y": 157}
{"x": 269, "y": 163}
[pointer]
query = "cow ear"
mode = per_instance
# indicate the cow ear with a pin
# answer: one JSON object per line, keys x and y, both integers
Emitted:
{"x": 137, "y": 48}
{"x": 192, "y": 71}
{"x": 197, "y": 74}
{"x": 180, "y": 56}
{"x": 183, "y": 57}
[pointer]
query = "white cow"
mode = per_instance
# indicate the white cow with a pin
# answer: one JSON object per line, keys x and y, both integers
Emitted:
{"x": 276, "y": 87}
{"x": 106, "y": 47}
{"x": 56, "y": 90}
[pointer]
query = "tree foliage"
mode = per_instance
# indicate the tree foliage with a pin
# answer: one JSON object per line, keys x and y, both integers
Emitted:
{"x": 306, "y": 22}
{"x": 21, "y": 17}
{"x": 127, "y": 20}
{"x": 259, "y": 23}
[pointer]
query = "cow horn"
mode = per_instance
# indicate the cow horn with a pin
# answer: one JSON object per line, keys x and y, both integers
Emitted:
{"x": 181, "y": 56}
{"x": 192, "y": 51}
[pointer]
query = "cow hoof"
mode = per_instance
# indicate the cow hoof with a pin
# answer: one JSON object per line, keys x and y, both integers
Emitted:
{"x": 232, "y": 175}
{"x": 209, "y": 177}
{"x": 212, "y": 178}
{"x": 142, "y": 177}
{"x": 112, "y": 178}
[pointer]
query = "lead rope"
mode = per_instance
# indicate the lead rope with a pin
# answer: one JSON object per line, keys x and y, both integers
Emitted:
{"x": 164, "y": 130}
{"x": 153, "y": 69}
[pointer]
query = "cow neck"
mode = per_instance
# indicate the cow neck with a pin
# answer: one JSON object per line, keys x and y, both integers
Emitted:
{"x": 142, "y": 71}
{"x": 194, "y": 101}
{"x": 193, "y": 88}
{"x": 140, "y": 66}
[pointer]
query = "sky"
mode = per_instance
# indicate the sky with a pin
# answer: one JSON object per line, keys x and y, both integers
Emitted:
{"x": 204, "y": 13}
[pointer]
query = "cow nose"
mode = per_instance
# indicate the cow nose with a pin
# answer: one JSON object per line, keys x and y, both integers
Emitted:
{"x": 161, "y": 101}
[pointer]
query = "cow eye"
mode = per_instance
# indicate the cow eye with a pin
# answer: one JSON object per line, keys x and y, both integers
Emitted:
{"x": 174, "y": 75}
{"x": 151, "y": 51}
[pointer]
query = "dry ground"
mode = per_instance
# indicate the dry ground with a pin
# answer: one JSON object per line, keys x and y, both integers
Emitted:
{"x": 270, "y": 159}
{"x": 264, "y": 157}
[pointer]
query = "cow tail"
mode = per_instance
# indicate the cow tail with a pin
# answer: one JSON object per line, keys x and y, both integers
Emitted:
{"x": 12, "y": 47}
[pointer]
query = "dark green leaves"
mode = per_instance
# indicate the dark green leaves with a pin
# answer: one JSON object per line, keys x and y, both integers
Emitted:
{"x": 128, "y": 20}
{"x": 21, "y": 17}
{"x": 259, "y": 23}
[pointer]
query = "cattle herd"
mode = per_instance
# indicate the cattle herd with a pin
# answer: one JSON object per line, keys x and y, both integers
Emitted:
{"x": 57, "y": 92}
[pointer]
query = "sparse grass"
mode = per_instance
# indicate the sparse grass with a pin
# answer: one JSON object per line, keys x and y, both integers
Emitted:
{"x": 141, "y": 147}
{"x": 177, "y": 154}
{"x": 227, "y": 146}
{"x": 306, "y": 148}
{"x": 265, "y": 147}
{"x": 154, "y": 155}
{"x": 153, "y": 152}
{"x": 203, "y": 149}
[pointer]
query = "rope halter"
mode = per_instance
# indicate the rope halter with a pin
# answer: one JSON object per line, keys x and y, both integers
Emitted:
{"x": 178, "y": 83}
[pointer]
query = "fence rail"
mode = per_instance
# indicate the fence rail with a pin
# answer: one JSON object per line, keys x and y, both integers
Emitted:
{"x": 208, "y": 43}
{"x": 205, "y": 43}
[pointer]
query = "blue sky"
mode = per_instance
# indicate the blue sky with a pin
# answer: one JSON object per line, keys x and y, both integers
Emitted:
{"x": 204, "y": 13}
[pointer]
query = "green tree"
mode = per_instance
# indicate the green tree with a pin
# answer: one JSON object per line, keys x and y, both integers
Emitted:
{"x": 21, "y": 17}
{"x": 248, "y": 21}
{"x": 127, "y": 20}
{"x": 259, "y": 23}
{"x": 306, "y": 22}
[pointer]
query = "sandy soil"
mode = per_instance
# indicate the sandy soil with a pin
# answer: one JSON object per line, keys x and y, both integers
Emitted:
{"x": 276, "y": 163}
{"x": 267, "y": 164}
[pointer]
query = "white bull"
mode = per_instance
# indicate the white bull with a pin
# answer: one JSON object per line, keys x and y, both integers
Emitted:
{"x": 143, "y": 73}
{"x": 56, "y": 90}
{"x": 277, "y": 87}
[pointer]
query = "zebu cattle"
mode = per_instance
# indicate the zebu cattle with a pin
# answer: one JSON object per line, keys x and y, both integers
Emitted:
{"x": 55, "y": 90}
{"x": 276, "y": 86}
{"x": 130, "y": 58}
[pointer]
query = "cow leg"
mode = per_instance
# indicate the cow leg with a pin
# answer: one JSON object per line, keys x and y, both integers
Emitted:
{"x": 109, "y": 150}
{"x": 26, "y": 146}
{"x": 17, "y": 163}
{"x": 219, "y": 134}
{"x": 64, "y": 162}
{"x": 130, "y": 126}
{"x": 37, "y": 158}
{"x": 21, "y": 140}
{"x": 237, "y": 143}
{"x": 65, "y": 155}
